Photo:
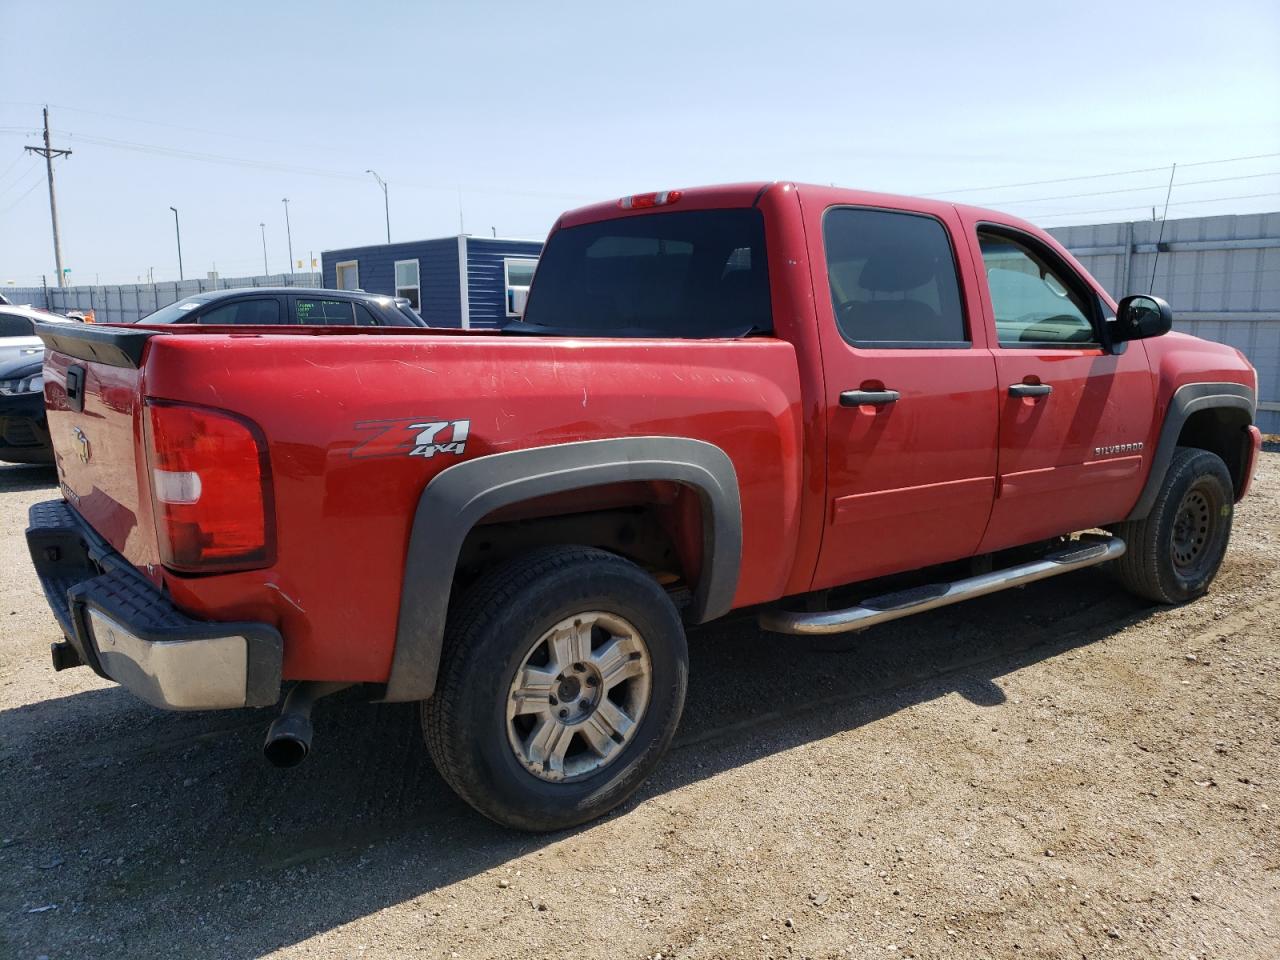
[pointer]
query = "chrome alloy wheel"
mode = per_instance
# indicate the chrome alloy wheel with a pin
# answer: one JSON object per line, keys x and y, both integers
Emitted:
{"x": 578, "y": 696}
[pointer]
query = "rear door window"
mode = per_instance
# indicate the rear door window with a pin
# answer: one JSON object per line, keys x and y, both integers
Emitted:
{"x": 324, "y": 312}
{"x": 365, "y": 317}
{"x": 893, "y": 279}
{"x": 699, "y": 273}
{"x": 256, "y": 311}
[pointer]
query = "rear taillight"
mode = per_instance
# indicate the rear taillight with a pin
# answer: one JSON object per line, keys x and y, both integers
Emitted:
{"x": 211, "y": 489}
{"x": 642, "y": 201}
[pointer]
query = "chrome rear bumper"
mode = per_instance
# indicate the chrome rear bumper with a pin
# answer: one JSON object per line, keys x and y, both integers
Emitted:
{"x": 118, "y": 623}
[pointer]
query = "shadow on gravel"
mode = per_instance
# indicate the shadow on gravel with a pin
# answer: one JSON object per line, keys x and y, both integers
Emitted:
{"x": 156, "y": 834}
{"x": 18, "y": 478}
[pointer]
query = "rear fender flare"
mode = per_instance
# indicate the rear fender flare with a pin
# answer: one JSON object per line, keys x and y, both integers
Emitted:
{"x": 456, "y": 499}
{"x": 1187, "y": 399}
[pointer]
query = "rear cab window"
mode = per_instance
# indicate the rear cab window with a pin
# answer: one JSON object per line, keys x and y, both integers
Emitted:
{"x": 688, "y": 274}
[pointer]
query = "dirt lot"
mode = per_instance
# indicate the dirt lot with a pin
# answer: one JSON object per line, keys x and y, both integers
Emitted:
{"x": 1061, "y": 771}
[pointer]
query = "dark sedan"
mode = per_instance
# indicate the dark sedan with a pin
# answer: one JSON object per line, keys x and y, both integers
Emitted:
{"x": 292, "y": 305}
{"x": 24, "y": 432}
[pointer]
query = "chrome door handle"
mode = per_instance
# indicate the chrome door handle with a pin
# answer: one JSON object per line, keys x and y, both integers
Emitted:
{"x": 1030, "y": 390}
{"x": 876, "y": 398}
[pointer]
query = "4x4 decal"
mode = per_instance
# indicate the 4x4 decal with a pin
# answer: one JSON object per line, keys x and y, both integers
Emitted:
{"x": 412, "y": 436}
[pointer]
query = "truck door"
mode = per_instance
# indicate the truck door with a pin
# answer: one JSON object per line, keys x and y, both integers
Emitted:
{"x": 1073, "y": 412}
{"x": 910, "y": 391}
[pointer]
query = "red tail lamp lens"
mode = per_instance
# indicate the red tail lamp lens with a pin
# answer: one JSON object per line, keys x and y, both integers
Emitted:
{"x": 210, "y": 489}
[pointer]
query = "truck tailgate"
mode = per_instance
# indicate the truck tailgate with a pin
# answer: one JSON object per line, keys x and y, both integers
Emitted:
{"x": 94, "y": 398}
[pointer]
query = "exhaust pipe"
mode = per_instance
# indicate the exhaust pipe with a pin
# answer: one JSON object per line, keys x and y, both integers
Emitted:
{"x": 289, "y": 736}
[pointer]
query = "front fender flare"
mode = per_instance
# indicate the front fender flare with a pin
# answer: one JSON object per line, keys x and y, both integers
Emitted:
{"x": 459, "y": 497}
{"x": 1187, "y": 399}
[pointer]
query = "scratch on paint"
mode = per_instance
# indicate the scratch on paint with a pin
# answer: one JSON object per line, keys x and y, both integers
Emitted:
{"x": 292, "y": 602}
{"x": 413, "y": 366}
{"x": 584, "y": 398}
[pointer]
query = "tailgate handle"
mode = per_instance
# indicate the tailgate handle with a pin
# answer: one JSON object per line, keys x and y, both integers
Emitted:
{"x": 75, "y": 388}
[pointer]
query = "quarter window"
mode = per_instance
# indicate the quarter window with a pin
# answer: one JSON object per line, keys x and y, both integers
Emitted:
{"x": 407, "y": 285}
{"x": 325, "y": 312}
{"x": 893, "y": 279}
{"x": 1033, "y": 302}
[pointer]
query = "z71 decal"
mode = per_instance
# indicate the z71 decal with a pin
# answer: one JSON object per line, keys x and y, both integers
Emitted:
{"x": 412, "y": 436}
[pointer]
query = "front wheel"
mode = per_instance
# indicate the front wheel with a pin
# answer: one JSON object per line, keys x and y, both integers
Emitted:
{"x": 561, "y": 685}
{"x": 1174, "y": 552}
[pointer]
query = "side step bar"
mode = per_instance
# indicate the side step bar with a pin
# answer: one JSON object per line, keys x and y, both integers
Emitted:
{"x": 894, "y": 606}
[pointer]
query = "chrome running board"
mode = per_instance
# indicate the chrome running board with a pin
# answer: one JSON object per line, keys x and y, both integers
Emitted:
{"x": 894, "y": 606}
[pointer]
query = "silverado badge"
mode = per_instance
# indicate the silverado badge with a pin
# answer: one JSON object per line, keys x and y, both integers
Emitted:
{"x": 1115, "y": 448}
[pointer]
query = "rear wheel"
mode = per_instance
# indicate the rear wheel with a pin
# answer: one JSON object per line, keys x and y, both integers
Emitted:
{"x": 561, "y": 685}
{"x": 1174, "y": 553}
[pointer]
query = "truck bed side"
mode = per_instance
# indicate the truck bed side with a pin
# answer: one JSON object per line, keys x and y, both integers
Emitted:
{"x": 342, "y": 415}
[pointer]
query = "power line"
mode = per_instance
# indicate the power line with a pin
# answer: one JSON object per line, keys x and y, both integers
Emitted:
{"x": 253, "y": 163}
{"x": 1098, "y": 176}
{"x": 21, "y": 157}
{"x": 1180, "y": 203}
{"x": 1154, "y": 186}
{"x": 25, "y": 179}
{"x": 21, "y": 197}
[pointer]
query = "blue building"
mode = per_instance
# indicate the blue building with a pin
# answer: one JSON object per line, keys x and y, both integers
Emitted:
{"x": 453, "y": 281}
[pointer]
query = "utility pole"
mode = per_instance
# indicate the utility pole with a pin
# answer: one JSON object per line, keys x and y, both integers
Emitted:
{"x": 263, "y": 227}
{"x": 386, "y": 204}
{"x": 288, "y": 232}
{"x": 48, "y": 152}
{"x": 178, "y": 231}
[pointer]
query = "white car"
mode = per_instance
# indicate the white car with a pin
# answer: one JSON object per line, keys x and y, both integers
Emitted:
{"x": 17, "y": 335}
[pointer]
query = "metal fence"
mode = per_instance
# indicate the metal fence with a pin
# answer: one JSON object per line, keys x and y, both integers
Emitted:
{"x": 1221, "y": 275}
{"x": 127, "y": 303}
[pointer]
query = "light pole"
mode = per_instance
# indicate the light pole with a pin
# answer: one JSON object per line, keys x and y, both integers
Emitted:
{"x": 265, "y": 271}
{"x": 386, "y": 204}
{"x": 288, "y": 232}
{"x": 178, "y": 230}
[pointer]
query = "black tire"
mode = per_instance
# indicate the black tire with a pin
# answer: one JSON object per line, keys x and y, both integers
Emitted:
{"x": 491, "y": 633}
{"x": 1174, "y": 553}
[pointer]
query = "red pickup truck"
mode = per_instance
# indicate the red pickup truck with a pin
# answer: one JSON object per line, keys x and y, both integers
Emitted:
{"x": 718, "y": 398}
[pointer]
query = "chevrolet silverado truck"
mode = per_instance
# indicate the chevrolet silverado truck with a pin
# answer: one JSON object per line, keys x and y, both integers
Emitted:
{"x": 760, "y": 397}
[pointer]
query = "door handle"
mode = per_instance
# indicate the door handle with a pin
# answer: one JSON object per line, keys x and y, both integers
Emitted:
{"x": 876, "y": 398}
{"x": 1030, "y": 390}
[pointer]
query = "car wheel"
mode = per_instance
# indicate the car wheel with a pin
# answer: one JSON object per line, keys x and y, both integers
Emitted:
{"x": 561, "y": 685}
{"x": 1174, "y": 552}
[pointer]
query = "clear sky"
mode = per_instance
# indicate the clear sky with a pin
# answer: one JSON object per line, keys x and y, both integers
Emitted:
{"x": 518, "y": 111}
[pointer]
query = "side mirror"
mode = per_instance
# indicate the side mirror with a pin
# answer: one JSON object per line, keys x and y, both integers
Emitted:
{"x": 1140, "y": 316}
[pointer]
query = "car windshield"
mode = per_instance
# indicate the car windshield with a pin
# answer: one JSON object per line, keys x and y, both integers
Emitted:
{"x": 700, "y": 273}
{"x": 175, "y": 312}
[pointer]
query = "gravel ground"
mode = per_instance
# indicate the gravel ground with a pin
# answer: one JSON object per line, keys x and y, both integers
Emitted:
{"x": 1061, "y": 771}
